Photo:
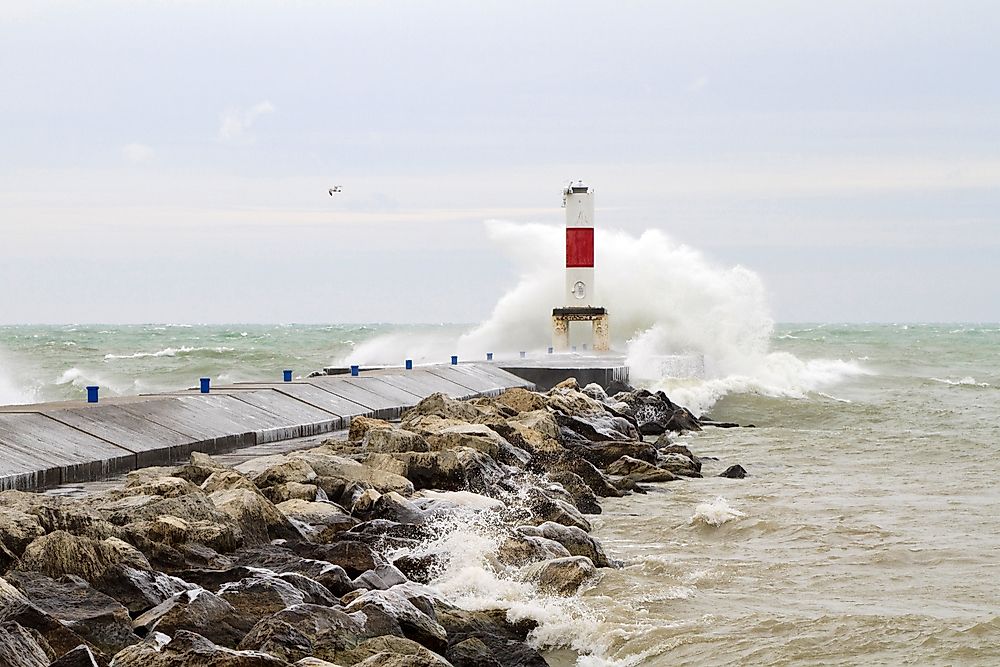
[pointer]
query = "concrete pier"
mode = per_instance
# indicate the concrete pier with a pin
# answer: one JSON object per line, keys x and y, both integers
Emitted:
{"x": 50, "y": 444}
{"x": 549, "y": 371}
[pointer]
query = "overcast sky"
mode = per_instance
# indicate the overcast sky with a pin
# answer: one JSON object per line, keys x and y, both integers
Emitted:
{"x": 170, "y": 161}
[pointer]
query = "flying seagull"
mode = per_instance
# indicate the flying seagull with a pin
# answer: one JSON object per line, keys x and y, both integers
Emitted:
{"x": 334, "y": 190}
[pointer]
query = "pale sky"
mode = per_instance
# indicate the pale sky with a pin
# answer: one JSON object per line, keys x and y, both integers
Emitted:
{"x": 169, "y": 161}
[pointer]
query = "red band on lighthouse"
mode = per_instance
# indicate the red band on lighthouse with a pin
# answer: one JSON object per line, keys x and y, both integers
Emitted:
{"x": 580, "y": 247}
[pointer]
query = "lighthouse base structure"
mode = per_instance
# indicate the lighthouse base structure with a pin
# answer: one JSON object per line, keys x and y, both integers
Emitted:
{"x": 561, "y": 317}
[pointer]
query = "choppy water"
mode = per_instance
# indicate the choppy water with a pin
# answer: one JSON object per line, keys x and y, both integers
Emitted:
{"x": 866, "y": 534}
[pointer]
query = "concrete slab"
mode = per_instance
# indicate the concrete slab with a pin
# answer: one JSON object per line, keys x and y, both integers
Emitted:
{"x": 421, "y": 382}
{"x": 152, "y": 443}
{"x": 553, "y": 369}
{"x": 209, "y": 429}
{"x": 38, "y": 451}
{"x": 468, "y": 376}
{"x": 315, "y": 396}
{"x": 382, "y": 400}
{"x": 295, "y": 416}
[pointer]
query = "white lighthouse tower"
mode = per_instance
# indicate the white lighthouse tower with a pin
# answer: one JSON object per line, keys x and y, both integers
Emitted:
{"x": 580, "y": 297}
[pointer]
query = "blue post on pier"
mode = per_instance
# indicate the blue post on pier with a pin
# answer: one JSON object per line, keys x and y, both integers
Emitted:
{"x": 489, "y": 356}
{"x": 454, "y": 360}
{"x": 355, "y": 371}
{"x": 206, "y": 385}
{"x": 92, "y": 394}
{"x": 286, "y": 375}
{"x": 523, "y": 354}
{"x": 409, "y": 364}
{"x": 550, "y": 350}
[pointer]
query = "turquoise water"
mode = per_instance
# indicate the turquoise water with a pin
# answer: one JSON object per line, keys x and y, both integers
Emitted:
{"x": 867, "y": 532}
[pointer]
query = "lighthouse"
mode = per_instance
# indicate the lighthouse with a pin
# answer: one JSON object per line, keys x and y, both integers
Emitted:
{"x": 580, "y": 298}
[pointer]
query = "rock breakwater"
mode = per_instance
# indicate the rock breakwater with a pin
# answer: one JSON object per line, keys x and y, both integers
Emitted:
{"x": 332, "y": 555}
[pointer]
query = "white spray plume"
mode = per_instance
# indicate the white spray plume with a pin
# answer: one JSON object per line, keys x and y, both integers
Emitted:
{"x": 663, "y": 297}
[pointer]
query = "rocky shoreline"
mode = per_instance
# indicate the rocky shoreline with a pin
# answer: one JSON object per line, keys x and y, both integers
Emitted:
{"x": 326, "y": 556}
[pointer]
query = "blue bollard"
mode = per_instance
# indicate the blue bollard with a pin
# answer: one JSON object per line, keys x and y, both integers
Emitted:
{"x": 489, "y": 356}
{"x": 523, "y": 354}
{"x": 574, "y": 348}
{"x": 454, "y": 360}
{"x": 584, "y": 347}
{"x": 409, "y": 364}
{"x": 550, "y": 350}
{"x": 355, "y": 371}
{"x": 92, "y": 394}
{"x": 287, "y": 376}
{"x": 206, "y": 384}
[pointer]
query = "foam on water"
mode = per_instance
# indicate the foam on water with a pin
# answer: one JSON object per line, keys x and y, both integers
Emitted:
{"x": 715, "y": 513}
{"x": 169, "y": 352}
{"x": 967, "y": 381}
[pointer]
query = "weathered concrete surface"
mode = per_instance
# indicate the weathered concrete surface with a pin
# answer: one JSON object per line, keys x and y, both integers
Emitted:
{"x": 59, "y": 443}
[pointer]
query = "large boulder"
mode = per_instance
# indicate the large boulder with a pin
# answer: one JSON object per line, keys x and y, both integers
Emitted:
{"x": 521, "y": 549}
{"x": 574, "y": 540}
{"x": 567, "y": 461}
{"x": 112, "y": 566}
{"x": 485, "y": 639}
{"x": 603, "y": 454}
{"x": 174, "y": 531}
{"x": 198, "y": 611}
{"x": 544, "y": 507}
{"x": 521, "y": 400}
{"x": 583, "y": 496}
{"x": 52, "y": 513}
{"x": 560, "y": 576}
{"x": 599, "y": 427}
{"x": 679, "y": 464}
{"x": 440, "y": 405}
{"x": 640, "y": 471}
{"x": 19, "y": 647}
{"x": 392, "y": 651}
{"x": 78, "y": 607}
{"x": 188, "y": 649}
{"x": 361, "y": 425}
{"x": 262, "y": 595}
{"x": 393, "y": 440}
{"x": 337, "y": 473}
{"x": 306, "y": 630}
{"x": 257, "y": 517}
{"x": 449, "y": 470}
{"x": 81, "y": 656}
{"x": 319, "y": 521}
{"x": 417, "y": 623}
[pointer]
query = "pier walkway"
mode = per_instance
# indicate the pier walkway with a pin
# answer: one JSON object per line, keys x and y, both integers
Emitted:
{"x": 51, "y": 444}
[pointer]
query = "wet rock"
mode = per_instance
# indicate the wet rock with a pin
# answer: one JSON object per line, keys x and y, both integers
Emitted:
{"x": 305, "y": 631}
{"x": 279, "y": 493}
{"x": 640, "y": 471}
{"x": 383, "y": 577}
{"x": 679, "y": 465}
{"x": 258, "y": 518}
{"x": 111, "y": 566}
{"x": 521, "y": 400}
{"x": 417, "y": 624}
{"x": 77, "y": 606}
{"x": 396, "y": 508}
{"x": 260, "y": 596}
{"x": 54, "y": 513}
{"x": 670, "y": 448}
{"x": 393, "y": 651}
{"x": 583, "y": 496}
{"x": 601, "y": 427}
{"x": 360, "y": 426}
{"x": 545, "y": 508}
{"x": 309, "y": 564}
{"x": 81, "y": 656}
{"x": 566, "y": 461}
{"x": 319, "y": 521}
{"x": 198, "y": 611}
{"x": 605, "y": 453}
{"x": 575, "y": 541}
{"x": 394, "y": 440}
{"x": 504, "y": 642}
{"x": 280, "y": 471}
{"x": 174, "y": 531}
{"x": 337, "y": 473}
{"x": 353, "y": 557}
{"x": 48, "y": 631}
{"x": 188, "y": 649}
{"x": 164, "y": 486}
{"x": 199, "y": 468}
{"x": 448, "y": 470}
{"x": 19, "y": 647}
{"x": 191, "y": 507}
{"x": 734, "y": 472}
{"x": 523, "y": 548}
{"x": 17, "y": 530}
{"x": 443, "y": 406}
{"x": 560, "y": 576}
{"x": 312, "y": 591}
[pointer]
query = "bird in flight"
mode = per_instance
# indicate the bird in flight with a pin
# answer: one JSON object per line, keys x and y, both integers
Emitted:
{"x": 335, "y": 189}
